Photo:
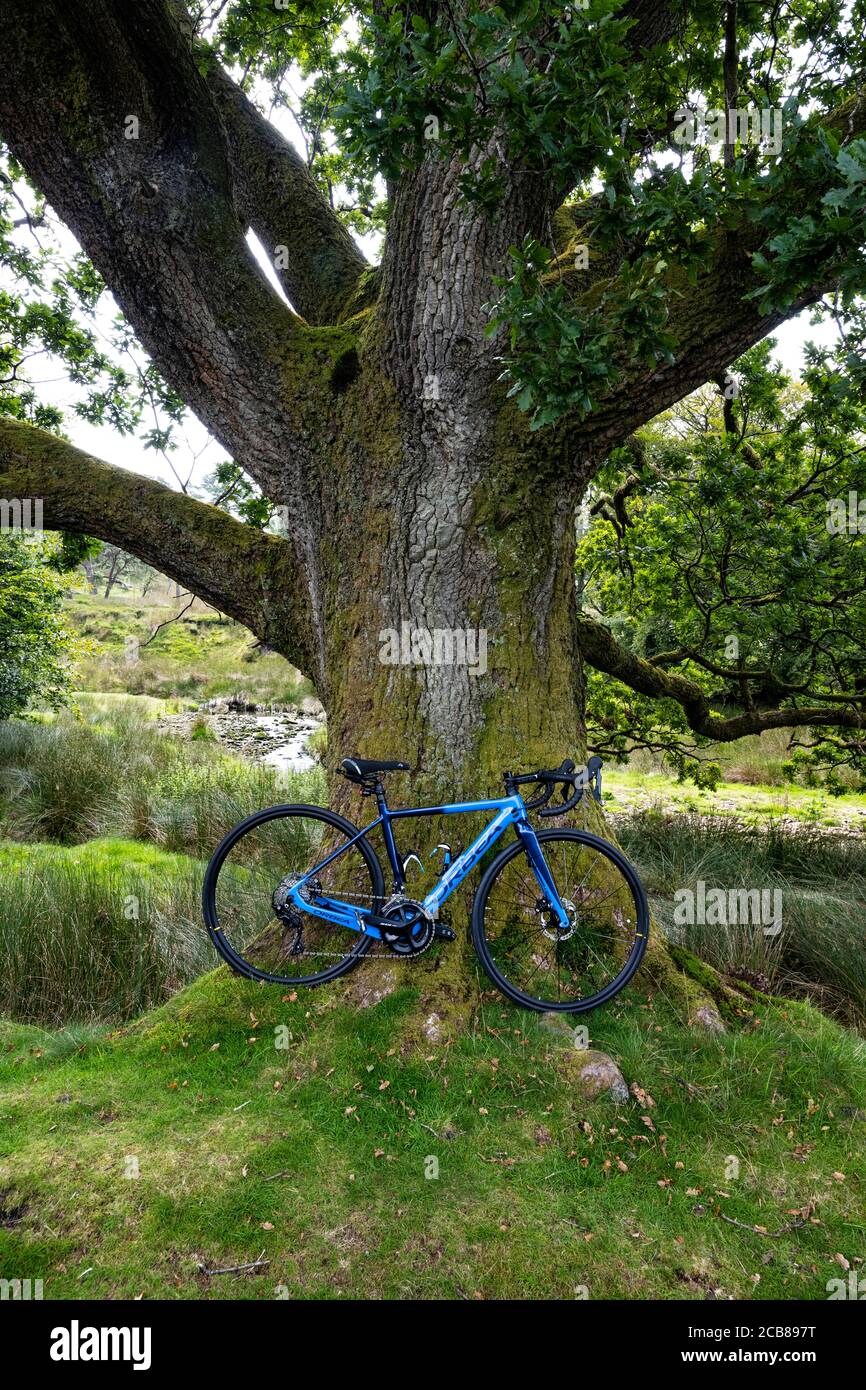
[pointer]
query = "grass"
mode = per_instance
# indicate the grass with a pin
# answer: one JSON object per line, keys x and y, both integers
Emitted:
{"x": 102, "y": 931}
{"x": 112, "y": 773}
{"x": 631, "y": 788}
{"x": 317, "y": 1157}
{"x": 821, "y": 949}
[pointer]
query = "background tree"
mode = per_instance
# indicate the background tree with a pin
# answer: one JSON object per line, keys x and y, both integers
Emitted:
{"x": 723, "y": 574}
{"x": 35, "y": 645}
{"x": 555, "y": 272}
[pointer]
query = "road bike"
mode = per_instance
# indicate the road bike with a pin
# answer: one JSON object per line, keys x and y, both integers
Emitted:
{"x": 296, "y": 894}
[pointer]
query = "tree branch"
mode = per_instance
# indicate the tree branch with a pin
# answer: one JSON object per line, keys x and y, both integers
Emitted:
{"x": 654, "y": 23}
{"x": 280, "y": 199}
{"x": 249, "y": 575}
{"x": 601, "y": 650}
{"x": 105, "y": 108}
{"x": 712, "y": 320}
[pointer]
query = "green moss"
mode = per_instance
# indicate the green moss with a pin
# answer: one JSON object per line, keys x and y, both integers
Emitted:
{"x": 708, "y": 981}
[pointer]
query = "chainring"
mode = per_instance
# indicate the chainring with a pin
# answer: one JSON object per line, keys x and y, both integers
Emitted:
{"x": 405, "y": 910}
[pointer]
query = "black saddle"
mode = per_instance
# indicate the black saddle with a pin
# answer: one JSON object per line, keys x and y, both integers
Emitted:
{"x": 363, "y": 769}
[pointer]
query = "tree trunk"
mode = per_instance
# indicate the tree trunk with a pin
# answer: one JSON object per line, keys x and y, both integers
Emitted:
{"x": 449, "y": 625}
{"x": 414, "y": 491}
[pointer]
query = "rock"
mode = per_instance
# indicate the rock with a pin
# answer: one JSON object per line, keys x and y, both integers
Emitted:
{"x": 595, "y": 1074}
{"x": 432, "y": 1029}
{"x": 709, "y": 1018}
{"x": 365, "y": 994}
{"x": 310, "y": 705}
{"x": 559, "y": 1026}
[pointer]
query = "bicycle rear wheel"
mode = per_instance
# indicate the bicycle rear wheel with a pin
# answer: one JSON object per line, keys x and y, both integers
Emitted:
{"x": 255, "y": 931}
{"x": 543, "y": 966}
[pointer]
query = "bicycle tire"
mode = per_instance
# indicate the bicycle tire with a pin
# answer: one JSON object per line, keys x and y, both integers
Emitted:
{"x": 234, "y": 958}
{"x": 641, "y": 932}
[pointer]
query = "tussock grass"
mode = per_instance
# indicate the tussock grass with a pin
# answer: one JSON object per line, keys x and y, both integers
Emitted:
{"x": 821, "y": 949}
{"x": 101, "y": 932}
{"x": 112, "y": 773}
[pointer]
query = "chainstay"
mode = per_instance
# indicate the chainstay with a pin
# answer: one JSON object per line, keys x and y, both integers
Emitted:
{"x": 386, "y": 955}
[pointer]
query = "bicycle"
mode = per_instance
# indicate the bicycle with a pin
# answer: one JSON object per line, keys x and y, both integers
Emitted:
{"x": 558, "y": 912}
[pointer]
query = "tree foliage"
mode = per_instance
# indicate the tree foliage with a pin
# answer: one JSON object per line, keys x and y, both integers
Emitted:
{"x": 35, "y": 644}
{"x": 728, "y": 544}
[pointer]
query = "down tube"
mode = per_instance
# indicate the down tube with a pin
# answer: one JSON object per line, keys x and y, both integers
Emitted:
{"x": 469, "y": 858}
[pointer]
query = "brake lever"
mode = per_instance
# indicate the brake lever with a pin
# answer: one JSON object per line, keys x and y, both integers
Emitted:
{"x": 578, "y": 781}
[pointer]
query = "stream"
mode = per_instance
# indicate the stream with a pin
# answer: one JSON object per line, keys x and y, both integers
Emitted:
{"x": 276, "y": 738}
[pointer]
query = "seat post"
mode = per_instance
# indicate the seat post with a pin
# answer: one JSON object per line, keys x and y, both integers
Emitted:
{"x": 379, "y": 790}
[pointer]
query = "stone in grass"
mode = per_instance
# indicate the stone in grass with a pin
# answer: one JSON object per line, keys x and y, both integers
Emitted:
{"x": 709, "y": 1019}
{"x": 564, "y": 1033}
{"x": 591, "y": 1073}
{"x": 594, "y": 1074}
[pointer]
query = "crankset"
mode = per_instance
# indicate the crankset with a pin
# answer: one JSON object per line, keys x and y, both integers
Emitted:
{"x": 407, "y": 928}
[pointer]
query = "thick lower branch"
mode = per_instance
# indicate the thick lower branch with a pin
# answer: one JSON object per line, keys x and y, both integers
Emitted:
{"x": 600, "y": 649}
{"x": 252, "y": 577}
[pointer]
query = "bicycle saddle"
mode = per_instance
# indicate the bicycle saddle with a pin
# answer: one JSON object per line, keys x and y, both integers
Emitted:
{"x": 357, "y": 769}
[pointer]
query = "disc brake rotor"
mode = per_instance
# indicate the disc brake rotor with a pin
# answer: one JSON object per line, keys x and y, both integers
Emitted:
{"x": 552, "y": 930}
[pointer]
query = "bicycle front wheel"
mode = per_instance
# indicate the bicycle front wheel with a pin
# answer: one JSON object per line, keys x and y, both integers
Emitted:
{"x": 256, "y": 931}
{"x": 533, "y": 960}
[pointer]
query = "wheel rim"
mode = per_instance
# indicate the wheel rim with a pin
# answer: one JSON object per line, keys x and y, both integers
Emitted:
{"x": 246, "y": 903}
{"x": 581, "y": 964}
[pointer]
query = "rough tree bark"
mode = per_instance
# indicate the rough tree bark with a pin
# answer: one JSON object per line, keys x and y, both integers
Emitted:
{"x": 415, "y": 489}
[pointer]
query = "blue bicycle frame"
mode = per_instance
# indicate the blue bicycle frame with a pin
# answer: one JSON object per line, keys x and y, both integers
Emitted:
{"x": 510, "y": 811}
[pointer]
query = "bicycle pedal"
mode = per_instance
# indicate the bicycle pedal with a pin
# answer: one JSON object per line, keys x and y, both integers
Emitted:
{"x": 444, "y": 933}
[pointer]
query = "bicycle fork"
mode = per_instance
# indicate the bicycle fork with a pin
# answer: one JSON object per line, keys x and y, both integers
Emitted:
{"x": 540, "y": 868}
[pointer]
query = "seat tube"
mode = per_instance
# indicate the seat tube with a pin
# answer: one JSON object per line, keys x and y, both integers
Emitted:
{"x": 390, "y": 845}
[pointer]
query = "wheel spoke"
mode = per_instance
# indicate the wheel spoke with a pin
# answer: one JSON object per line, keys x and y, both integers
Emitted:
{"x": 247, "y": 886}
{"x": 532, "y": 958}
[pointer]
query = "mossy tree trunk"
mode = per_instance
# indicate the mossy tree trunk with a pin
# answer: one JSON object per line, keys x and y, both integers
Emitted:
{"x": 371, "y": 410}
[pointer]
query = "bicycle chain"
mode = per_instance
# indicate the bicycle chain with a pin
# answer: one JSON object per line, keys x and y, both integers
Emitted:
{"x": 341, "y": 955}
